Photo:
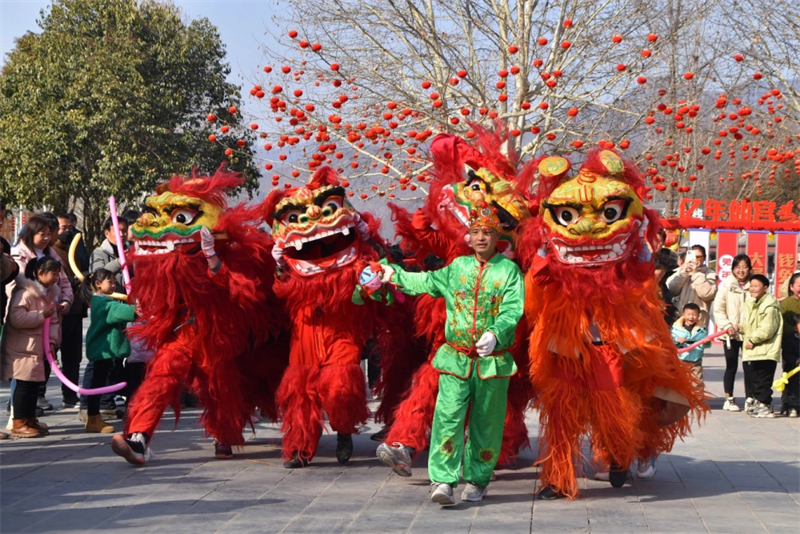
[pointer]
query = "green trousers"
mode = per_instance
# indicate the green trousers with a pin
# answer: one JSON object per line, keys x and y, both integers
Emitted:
{"x": 486, "y": 400}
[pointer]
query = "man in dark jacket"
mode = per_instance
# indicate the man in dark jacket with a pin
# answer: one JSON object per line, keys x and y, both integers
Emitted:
{"x": 105, "y": 256}
{"x": 8, "y": 268}
{"x": 72, "y": 322}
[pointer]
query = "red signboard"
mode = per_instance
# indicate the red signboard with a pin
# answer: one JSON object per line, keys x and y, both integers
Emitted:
{"x": 738, "y": 214}
{"x": 727, "y": 248}
{"x": 757, "y": 250}
{"x": 785, "y": 256}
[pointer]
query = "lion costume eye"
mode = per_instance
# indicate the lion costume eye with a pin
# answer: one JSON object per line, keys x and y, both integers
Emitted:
{"x": 290, "y": 217}
{"x": 613, "y": 211}
{"x": 332, "y": 204}
{"x": 565, "y": 215}
{"x": 184, "y": 216}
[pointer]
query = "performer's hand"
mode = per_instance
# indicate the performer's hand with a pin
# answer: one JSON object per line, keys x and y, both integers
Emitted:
{"x": 386, "y": 273}
{"x": 486, "y": 344}
{"x": 207, "y": 242}
{"x": 277, "y": 255}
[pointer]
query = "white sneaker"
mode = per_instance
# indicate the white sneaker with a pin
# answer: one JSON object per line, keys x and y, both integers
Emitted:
{"x": 749, "y": 404}
{"x": 443, "y": 494}
{"x": 397, "y": 457}
{"x": 647, "y": 468}
{"x": 474, "y": 493}
{"x": 602, "y": 476}
{"x": 730, "y": 405}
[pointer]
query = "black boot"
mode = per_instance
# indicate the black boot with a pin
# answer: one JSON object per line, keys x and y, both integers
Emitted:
{"x": 617, "y": 475}
{"x": 549, "y": 493}
{"x": 295, "y": 462}
{"x": 344, "y": 447}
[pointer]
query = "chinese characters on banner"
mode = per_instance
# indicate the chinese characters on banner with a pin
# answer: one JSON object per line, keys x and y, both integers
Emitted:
{"x": 757, "y": 250}
{"x": 741, "y": 213}
{"x": 727, "y": 249}
{"x": 785, "y": 257}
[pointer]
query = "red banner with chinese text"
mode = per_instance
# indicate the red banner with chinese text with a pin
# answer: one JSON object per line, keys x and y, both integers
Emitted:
{"x": 727, "y": 248}
{"x": 757, "y": 250}
{"x": 785, "y": 257}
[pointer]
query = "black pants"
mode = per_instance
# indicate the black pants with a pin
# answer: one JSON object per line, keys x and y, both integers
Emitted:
{"x": 107, "y": 400}
{"x": 731, "y": 366}
{"x": 762, "y": 375}
{"x": 71, "y": 354}
{"x": 102, "y": 371}
{"x": 134, "y": 376}
{"x": 791, "y": 359}
{"x": 26, "y": 393}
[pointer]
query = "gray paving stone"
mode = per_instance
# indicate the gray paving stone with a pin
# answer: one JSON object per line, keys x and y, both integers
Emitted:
{"x": 734, "y": 474}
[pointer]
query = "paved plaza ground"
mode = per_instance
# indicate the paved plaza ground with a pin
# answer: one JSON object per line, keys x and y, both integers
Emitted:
{"x": 735, "y": 474}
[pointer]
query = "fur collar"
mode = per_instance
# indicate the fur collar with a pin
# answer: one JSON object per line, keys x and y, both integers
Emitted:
{"x": 33, "y": 286}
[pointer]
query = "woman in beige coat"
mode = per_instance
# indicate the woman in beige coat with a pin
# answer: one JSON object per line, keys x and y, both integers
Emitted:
{"x": 728, "y": 310}
{"x": 33, "y": 300}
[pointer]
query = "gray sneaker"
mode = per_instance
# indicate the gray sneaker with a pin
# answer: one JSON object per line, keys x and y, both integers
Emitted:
{"x": 762, "y": 411}
{"x": 474, "y": 493}
{"x": 397, "y": 457}
{"x": 749, "y": 404}
{"x": 442, "y": 494}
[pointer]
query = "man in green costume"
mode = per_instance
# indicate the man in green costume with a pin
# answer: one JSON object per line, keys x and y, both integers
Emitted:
{"x": 484, "y": 294}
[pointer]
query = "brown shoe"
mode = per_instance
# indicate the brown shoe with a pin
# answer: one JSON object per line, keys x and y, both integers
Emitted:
{"x": 96, "y": 425}
{"x": 43, "y": 428}
{"x": 21, "y": 429}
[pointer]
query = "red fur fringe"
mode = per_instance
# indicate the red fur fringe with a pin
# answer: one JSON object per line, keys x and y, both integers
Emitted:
{"x": 414, "y": 415}
{"x": 343, "y": 393}
{"x": 300, "y": 411}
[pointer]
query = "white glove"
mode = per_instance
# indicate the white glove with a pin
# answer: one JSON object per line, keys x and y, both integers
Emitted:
{"x": 386, "y": 274}
{"x": 207, "y": 242}
{"x": 277, "y": 255}
{"x": 486, "y": 344}
{"x": 363, "y": 230}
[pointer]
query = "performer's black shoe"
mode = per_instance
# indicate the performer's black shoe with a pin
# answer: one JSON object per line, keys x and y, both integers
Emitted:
{"x": 222, "y": 451}
{"x": 295, "y": 462}
{"x": 549, "y": 493}
{"x": 380, "y": 435}
{"x": 344, "y": 447}
{"x": 617, "y": 475}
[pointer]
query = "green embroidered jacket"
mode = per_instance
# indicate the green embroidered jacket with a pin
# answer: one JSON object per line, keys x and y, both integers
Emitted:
{"x": 480, "y": 297}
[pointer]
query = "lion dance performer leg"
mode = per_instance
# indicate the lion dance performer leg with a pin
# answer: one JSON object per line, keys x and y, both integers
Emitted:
{"x": 203, "y": 275}
{"x": 464, "y": 177}
{"x": 601, "y": 358}
{"x": 321, "y": 240}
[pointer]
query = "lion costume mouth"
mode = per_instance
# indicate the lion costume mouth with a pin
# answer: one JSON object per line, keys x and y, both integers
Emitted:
{"x": 591, "y": 252}
{"x": 166, "y": 244}
{"x": 325, "y": 247}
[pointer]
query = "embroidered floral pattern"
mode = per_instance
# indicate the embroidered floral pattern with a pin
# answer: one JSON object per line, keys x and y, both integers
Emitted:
{"x": 448, "y": 447}
{"x": 487, "y": 455}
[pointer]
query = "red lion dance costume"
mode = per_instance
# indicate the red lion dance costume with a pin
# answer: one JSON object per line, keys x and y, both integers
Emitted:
{"x": 602, "y": 360}
{"x": 323, "y": 243}
{"x": 464, "y": 176}
{"x": 200, "y": 322}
